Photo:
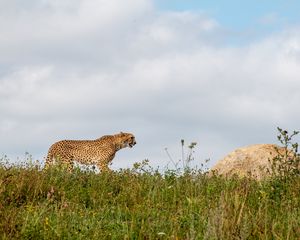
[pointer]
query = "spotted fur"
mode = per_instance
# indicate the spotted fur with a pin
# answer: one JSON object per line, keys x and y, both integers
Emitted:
{"x": 99, "y": 152}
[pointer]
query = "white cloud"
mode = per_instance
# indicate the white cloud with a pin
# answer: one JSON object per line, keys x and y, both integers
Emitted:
{"x": 80, "y": 69}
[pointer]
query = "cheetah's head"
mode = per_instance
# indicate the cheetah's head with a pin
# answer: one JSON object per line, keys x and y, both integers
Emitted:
{"x": 126, "y": 139}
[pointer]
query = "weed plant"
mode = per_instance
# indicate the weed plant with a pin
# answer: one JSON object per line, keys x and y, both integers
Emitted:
{"x": 143, "y": 203}
{"x": 287, "y": 162}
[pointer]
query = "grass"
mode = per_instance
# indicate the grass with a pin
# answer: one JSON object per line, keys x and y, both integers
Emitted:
{"x": 142, "y": 203}
{"x": 132, "y": 204}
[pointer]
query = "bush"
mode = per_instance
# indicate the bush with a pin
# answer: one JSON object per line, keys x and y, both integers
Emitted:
{"x": 287, "y": 162}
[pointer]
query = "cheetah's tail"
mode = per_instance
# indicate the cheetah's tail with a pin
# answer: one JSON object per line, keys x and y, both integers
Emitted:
{"x": 49, "y": 161}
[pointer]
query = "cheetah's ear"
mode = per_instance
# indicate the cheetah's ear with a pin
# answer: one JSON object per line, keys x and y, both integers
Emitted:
{"x": 122, "y": 133}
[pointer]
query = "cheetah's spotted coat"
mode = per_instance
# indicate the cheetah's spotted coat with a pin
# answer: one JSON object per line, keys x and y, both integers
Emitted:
{"x": 99, "y": 152}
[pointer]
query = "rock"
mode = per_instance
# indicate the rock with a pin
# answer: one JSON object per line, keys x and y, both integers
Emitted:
{"x": 251, "y": 161}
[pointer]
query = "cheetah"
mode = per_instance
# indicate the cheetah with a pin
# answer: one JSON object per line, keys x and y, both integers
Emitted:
{"x": 99, "y": 152}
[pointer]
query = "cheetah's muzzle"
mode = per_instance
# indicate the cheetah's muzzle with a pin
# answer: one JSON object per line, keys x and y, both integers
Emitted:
{"x": 132, "y": 144}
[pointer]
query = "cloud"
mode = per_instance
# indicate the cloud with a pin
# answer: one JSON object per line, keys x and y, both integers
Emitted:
{"x": 81, "y": 69}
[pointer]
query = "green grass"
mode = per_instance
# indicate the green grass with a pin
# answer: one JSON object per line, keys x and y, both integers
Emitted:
{"x": 130, "y": 204}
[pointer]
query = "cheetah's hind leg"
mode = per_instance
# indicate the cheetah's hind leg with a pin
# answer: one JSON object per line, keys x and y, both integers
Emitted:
{"x": 60, "y": 162}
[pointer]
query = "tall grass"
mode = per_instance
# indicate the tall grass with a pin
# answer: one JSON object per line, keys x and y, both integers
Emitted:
{"x": 142, "y": 203}
{"x": 131, "y": 204}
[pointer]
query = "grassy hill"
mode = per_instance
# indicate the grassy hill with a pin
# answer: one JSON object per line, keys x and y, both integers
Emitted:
{"x": 136, "y": 204}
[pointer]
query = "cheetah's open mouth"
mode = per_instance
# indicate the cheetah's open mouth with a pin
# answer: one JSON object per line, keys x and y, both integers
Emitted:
{"x": 132, "y": 144}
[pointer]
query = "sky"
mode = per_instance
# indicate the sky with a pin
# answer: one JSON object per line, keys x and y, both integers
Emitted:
{"x": 222, "y": 73}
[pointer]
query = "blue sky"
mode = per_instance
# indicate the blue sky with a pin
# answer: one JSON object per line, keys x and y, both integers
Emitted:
{"x": 224, "y": 74}
{"x": 241, "y": 15}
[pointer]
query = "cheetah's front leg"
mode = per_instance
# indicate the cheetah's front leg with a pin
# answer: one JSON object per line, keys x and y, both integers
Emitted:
{"x": 103, "y": 164}
{"x": 103, "y": 167}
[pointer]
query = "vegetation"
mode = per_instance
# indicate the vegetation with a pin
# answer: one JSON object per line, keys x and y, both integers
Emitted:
{"x": 142, "y": 203}
{"x": 286, "y": 163}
